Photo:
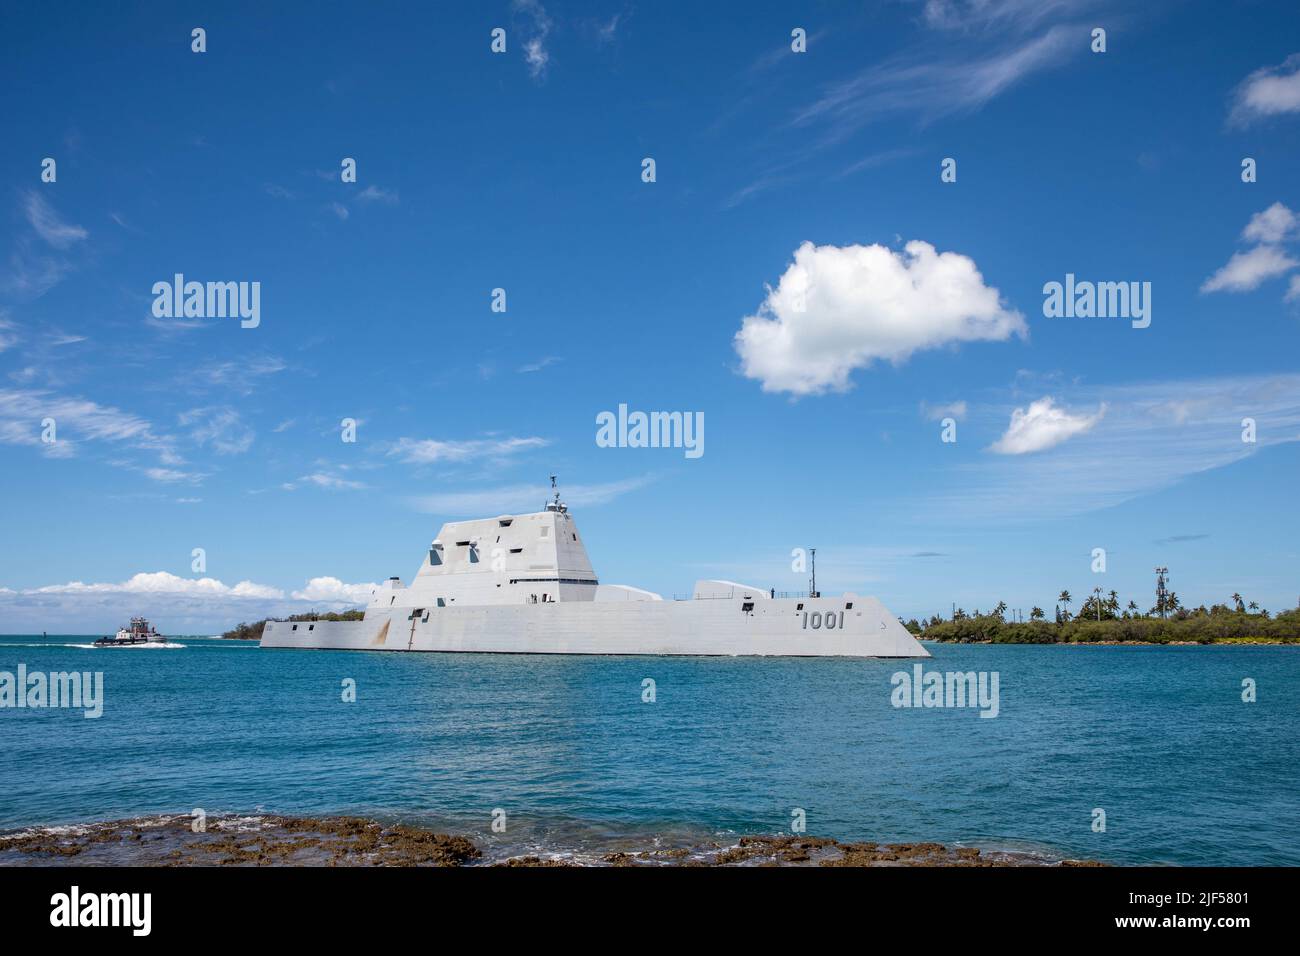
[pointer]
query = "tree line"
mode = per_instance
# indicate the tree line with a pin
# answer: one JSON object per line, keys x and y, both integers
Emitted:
{"x": 1102, "y": 619}
{"x": 253, "y": 632}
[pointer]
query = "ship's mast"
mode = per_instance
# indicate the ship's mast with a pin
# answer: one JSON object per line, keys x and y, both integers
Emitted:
{"x": 557, "y": 504}
{"x": 812, "y": 585}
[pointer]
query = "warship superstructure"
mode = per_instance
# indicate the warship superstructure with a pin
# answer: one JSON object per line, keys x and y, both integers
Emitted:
{"x": 523, "y": 584}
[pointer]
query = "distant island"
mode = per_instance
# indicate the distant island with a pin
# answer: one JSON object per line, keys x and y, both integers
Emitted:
{"x": 253, "y": 632}
{"x": 1101, "y": 620}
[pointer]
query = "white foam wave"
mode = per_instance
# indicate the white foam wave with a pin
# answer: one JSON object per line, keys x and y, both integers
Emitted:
{"x": 167, "y": 646}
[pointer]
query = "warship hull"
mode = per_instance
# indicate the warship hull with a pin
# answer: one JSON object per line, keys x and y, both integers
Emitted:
{"x": 523, "y": 584}
{"x": 706, "y": 626}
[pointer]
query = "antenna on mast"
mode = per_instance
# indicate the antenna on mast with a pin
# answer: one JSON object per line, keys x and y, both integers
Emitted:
{"x": 555, "y": 505}
{"x": 812, "y": 585}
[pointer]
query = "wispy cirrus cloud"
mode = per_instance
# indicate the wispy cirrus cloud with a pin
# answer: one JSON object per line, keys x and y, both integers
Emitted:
{"x": 242, "y": 376}
{"x": 537, "y": 29}
{"x": 1013, "y": 15}
{"x": 219, "y": 427}
{"x": 929, "y": 87}
{"x": 48, "y": 224}
{"x": 171, "y": 475}
{"x": 8, "y": 332}
{"x": 1180, "y": 538}
{"x": 34, "y": 270}
{"x": 325, "y": 480}
{"x": 537, "y": 366}
{"x": 75, "y": 419}
{"x": 429, "y": 451}
{"x": 954, "y": 410}
{"x": 373, "y": 193}
{"x": 522, "y": 498}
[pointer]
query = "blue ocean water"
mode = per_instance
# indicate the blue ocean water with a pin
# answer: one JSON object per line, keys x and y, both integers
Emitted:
{"x": 1157, "y": 737}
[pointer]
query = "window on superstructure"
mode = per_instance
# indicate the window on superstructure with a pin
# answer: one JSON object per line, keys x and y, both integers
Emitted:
{"x": 546, "y": 531}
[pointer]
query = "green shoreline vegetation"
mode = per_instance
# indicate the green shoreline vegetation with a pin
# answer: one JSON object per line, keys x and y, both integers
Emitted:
{"x": 253, "y": 632}
{"x": 1100, "y": 620}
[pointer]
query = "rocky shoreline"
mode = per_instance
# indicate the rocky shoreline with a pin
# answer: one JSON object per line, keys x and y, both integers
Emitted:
{"x": 272, "y": 840}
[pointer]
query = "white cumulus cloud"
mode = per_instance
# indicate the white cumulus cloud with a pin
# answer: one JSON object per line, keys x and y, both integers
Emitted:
{"x": 1041, "y": 426}
{"x": 329, "y": 590}
{"x": 163, "y": 582}
{"x": 1272, "y": 225}
{"x": 837, "y": 309}
{"x": 1248, "y": 270}
{"x": 1270, "y": 91}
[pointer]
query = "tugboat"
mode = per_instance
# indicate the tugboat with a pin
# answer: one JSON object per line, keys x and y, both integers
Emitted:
{"x": 140, "y": 632}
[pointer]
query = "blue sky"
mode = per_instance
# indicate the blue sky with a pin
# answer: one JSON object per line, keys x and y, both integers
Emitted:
{"x": 921, "y": 299}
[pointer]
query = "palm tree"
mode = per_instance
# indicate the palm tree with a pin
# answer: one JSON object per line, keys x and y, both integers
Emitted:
{"x": 1000, "y": 609}
{"x": 1237, "y": 600}
{"x": 1066, "y": 599}
{"x": 1132, "y": 607}
{"x": 1036, "y": 614}
{"x": 1254, "y": 605}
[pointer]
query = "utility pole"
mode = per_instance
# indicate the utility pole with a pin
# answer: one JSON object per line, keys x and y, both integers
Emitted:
{"x": 1162, "y": 590}
{"x": 1096, "y": 599}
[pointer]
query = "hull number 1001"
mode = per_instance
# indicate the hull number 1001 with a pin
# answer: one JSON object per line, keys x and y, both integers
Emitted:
{"x": 830, "y": 620}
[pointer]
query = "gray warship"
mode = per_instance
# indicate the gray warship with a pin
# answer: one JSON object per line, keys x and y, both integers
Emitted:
{"x": 523, "y": 584}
